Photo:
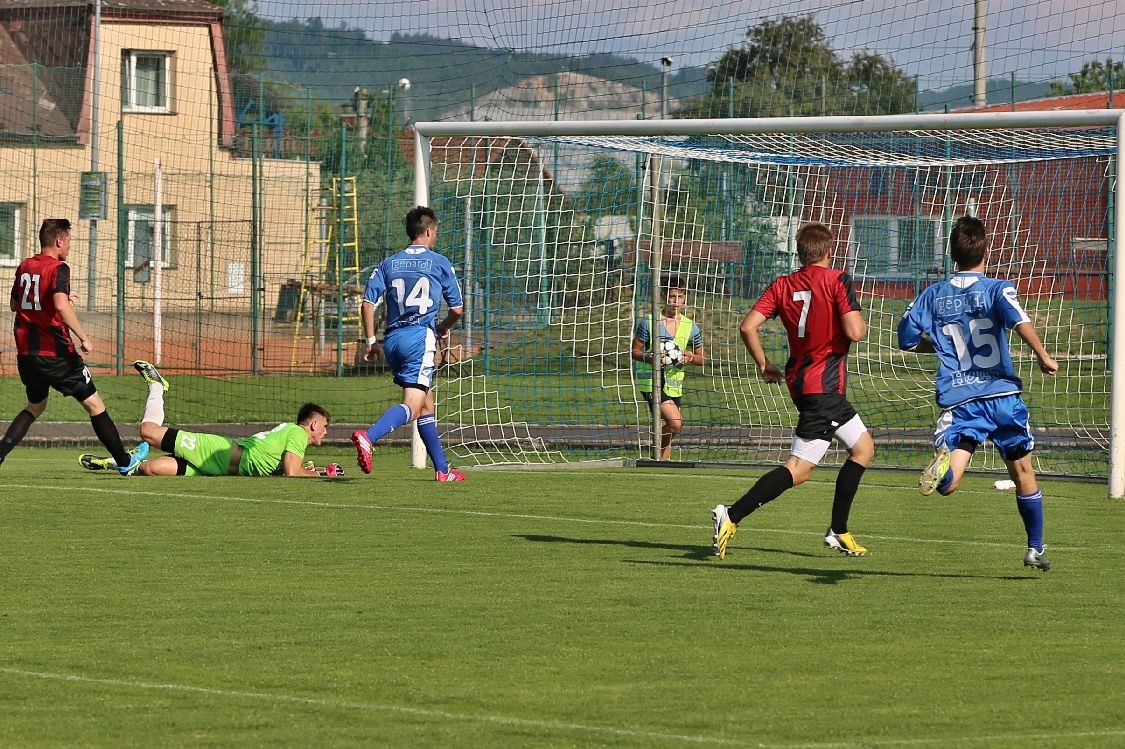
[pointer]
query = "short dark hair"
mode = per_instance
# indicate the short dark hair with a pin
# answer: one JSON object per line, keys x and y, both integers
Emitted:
{"x": 310, "y": 410}
{"x": 967, "y": 242}
{"x": 673, "y": 282}
{"x": 814, "y": 242}
{"x": 418, "y": 219}
{"x": 51, "y": 229}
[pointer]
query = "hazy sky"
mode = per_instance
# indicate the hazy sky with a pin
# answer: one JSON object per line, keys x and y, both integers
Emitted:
{"x": 1036, "y": 39}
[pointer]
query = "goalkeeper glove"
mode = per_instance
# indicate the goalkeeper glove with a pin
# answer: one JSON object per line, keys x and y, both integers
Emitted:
{"x": 332, "y": 469}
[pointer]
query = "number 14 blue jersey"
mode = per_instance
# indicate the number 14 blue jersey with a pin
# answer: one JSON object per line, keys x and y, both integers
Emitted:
{"x": 417, "y": 280}
{"x": 967, "y": 318}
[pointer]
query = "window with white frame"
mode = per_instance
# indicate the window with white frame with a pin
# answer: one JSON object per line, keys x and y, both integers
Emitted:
{"x": 896, "y": 245}
{"x": 146, "y": 81}
{"x": 11, "y": 233}
{"x": 141, "y": 234}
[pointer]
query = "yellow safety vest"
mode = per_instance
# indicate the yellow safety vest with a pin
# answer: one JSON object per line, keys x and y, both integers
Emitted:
{"x": 673, "y": 376}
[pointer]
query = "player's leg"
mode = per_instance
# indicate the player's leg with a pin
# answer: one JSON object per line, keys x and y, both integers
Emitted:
{"x": 861, "y": 451}
{"x": 803, "y": 458}
{"x": 1015, "y": 442}
{"x": 410, "y": 354}
{"x": 672, "y": 421}
{"x": 38, "y": 390}
{"x": 958, "y": 433}
{"x": 207, "y": 454}
{"x": 153, "y": 430}
{"x": 152, "y": 422}
{"x": 163, "y": 465}
{"x": 431, "y": 438}
{"x": 69, "y": 375}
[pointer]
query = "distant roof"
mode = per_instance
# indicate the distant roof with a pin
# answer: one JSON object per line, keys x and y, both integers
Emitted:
{"x": 42, "y": 80}
{"x": 162, "y": 6}
{"x": 1097, "y": 100}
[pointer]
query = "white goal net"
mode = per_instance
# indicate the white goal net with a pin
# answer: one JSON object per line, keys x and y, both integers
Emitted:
{"x": 558, "y": 226}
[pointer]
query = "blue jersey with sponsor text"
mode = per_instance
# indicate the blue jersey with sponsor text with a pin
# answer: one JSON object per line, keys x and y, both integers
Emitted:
{"x": 414, "y": 282}
{"x": 968, "y": 318}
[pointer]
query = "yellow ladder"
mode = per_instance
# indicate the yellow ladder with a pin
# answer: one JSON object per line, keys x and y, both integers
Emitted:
{"x": 332, "y": 238}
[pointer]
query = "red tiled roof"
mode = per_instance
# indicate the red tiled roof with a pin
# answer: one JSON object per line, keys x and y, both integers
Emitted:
{"x": 1098, "y": 100}
{"x": 54, "y": 35}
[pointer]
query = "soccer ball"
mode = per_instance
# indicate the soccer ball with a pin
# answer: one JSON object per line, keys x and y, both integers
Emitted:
{"x": 671, "y": 355}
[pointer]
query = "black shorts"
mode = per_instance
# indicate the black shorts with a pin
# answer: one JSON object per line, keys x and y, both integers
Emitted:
{"x": 821, "y": 415}
{"x": 674, "y": 398}
{"x": 67, "y": 374}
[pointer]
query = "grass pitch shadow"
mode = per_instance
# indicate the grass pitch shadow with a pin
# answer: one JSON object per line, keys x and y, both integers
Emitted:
{"x": 815, "y": 575}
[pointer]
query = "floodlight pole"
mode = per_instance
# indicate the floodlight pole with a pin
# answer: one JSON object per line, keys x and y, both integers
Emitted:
{"x": 665, "y": 66}
{"x": 980, "y": 74}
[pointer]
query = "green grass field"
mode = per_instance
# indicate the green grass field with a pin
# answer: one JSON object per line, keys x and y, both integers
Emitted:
{"x": 574, "y": 608}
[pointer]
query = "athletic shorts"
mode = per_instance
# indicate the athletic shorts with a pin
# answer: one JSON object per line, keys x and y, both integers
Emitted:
{"x": 410, "y": 354}
{"x": 821, "y": 415}
{"x": 673, "y": 398}
{"x": 67, "y": 374}
{"x": 1002, "y": 420}
{"x": 822, "y": 418}
{"x": 201, "y": 454}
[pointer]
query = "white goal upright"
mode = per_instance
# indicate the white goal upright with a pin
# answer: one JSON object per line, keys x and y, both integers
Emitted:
{"x": 564, "y": 232}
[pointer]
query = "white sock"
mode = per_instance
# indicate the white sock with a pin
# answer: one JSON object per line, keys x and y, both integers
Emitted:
{"x": 154, "y": 406}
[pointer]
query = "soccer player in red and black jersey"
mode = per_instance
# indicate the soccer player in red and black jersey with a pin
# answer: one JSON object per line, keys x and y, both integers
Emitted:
{"x": 822, "y": 318}
{"x": 45, "y": 354}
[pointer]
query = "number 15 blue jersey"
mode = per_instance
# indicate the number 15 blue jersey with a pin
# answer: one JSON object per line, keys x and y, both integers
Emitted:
{"x": 967, "y": 318}
{"x": 417, "y": 280}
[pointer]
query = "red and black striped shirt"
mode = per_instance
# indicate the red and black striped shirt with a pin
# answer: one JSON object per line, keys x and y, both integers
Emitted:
{"x": 39, "y": 329}
{"x": 811, "y": 304}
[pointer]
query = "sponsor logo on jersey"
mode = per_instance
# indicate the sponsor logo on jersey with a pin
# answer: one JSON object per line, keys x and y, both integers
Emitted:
{"x": 404, "y": 265}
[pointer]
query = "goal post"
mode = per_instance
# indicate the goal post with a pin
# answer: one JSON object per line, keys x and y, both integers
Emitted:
{"x": 558, "y": 215}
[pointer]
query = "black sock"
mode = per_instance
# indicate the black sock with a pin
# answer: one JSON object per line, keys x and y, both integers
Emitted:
{"x": 16, "y": 431}
{"x": 110, "y": 437}
{"x": 847, "y": 484}
{"x": 769, "y": 487}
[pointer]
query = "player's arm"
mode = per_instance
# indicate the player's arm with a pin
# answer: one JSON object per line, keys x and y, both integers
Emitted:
{"x": 855, "y": 327}
{"x": 753, "y": 342}
{"x": 293, "y": 466}
{"x": 367, "y": 315}
{"x": 70, "y": 319}
{"x": 639, "y": 351}
{"x": 1027, "y": 332}
{"x": 450, "y": 320}
{"x": 910, "y": 332}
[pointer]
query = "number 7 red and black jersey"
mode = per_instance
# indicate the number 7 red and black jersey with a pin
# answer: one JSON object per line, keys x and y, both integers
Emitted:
{"x": 39, "y": 329}
{"x": 811, "y": 303}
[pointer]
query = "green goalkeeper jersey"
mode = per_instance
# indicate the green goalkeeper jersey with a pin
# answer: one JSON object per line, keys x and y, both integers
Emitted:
{"x": 261, "y": 452}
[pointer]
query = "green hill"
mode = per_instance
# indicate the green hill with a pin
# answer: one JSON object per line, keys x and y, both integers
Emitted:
{"x": 444, "y": 73}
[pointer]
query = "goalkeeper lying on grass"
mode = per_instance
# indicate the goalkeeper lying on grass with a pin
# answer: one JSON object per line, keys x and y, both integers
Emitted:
{"x": 278, "y": 452}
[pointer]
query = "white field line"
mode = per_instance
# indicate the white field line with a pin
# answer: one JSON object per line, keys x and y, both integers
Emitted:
{"x": 551, "y": 725}
{"x": 131, "y": 492}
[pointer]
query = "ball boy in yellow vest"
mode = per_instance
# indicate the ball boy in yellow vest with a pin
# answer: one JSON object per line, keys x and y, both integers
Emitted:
{"x": 673, "y": 326}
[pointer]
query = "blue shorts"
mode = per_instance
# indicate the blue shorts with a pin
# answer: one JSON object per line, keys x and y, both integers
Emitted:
{"x": 410, "y": 354}
{"x": 1002, "y": 420}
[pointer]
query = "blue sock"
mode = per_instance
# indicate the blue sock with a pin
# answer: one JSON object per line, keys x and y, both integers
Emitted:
{"x": 946, "y": 481}
{"x": 1031, "y": 510}
{"x": 392, "y": 419}
{"x": 427, "y": 430}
